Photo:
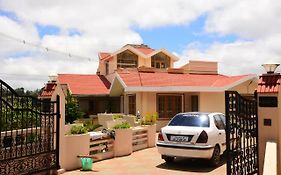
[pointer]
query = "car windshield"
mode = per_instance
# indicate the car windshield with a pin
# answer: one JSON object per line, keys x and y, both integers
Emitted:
{"x": 195, "y": 120}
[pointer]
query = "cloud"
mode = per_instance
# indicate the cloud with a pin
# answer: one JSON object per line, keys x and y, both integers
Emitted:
{"x": 250, "y": 19}
{"x": 239, "y": 57}
{"x": 257, "y": 25}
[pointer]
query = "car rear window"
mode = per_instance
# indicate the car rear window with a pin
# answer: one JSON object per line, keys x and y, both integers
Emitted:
{"x": 195, "y": 120}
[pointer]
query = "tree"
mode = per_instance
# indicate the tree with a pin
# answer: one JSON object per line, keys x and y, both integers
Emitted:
{"x": 34, "y": 93}
{"x": 72, "y": 111}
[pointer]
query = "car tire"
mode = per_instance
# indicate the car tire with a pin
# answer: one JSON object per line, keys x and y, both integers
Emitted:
{"x": 168, "y": 159}
{"x": 215, "y": 160}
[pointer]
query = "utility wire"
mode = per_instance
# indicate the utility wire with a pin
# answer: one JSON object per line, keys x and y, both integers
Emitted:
{"x": 46, "y": 49}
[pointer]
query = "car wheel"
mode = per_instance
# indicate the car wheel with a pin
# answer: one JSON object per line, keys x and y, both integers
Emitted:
{"x": 168, "y": 159}
{"x": 215, "y": 160}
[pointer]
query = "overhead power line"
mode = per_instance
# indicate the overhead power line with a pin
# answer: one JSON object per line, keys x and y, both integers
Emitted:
{"x": 46, "y": 49}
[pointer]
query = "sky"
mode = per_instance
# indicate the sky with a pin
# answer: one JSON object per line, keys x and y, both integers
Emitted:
{"x": 239, "y": 35}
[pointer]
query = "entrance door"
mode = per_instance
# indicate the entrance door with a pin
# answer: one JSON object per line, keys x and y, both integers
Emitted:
{"x": 169, "y": 105}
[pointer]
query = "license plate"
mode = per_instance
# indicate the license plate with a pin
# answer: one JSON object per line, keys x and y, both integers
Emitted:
{"x": 179, "y": 138}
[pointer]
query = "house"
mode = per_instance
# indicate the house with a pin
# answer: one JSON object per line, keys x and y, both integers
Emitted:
{"x": 137, "y": 78}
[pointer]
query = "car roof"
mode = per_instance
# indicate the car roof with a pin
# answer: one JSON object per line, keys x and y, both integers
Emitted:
{"x": 199, "y": 113}
{"x": 195, "y": 113}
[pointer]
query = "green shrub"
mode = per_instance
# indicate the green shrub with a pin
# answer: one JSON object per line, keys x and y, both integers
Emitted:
{"x": 31, "y": 138}
{"x": 122, "y": 126}
{"x": 78, "y": 129}
{"x": 117, "y": 116}
{"x": 72, "y": 111}
{"x": 150, "y": 118}
{"x": 92, "y": 127}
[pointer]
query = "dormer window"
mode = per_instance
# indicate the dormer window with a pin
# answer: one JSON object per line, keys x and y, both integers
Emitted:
{"x": 160, "y": 60}
{"x": 127, "y": 59}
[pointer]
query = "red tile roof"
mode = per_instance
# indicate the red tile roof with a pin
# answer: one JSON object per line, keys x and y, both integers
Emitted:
{"x": 48, "y": 90}
{"x": 104, "y": 55}
{"x": 269, "y": 83}
{"x": 85, "y": 84}
{"x": 145, "y": 51}
{"x": 158, "y": 79}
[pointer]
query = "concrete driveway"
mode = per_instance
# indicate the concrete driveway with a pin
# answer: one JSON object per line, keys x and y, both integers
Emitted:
{"x": 149, "y": 162}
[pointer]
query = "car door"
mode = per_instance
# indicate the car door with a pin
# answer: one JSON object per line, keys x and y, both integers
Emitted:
{"x": 220, "y": 125}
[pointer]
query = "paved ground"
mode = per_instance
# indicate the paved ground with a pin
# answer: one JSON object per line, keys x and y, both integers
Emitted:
{"x": 149, "y": 162}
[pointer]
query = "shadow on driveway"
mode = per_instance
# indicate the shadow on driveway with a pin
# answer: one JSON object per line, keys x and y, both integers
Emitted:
{"x": 190, "y": 165}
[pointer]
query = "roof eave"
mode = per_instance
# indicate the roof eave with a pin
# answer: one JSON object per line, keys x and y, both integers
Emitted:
{"x": 175, "y": 89}
{"x": 89, "y": 95}
{"x": 242, "y": 80}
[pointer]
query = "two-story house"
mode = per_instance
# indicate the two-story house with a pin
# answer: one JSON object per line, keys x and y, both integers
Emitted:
{"x": 139, "y": 78}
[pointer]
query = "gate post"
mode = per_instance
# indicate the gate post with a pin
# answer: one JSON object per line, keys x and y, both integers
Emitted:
{"x": 269, "y": 121}
{"x": 58, "y": 132}
{"x": 59, "y": 97}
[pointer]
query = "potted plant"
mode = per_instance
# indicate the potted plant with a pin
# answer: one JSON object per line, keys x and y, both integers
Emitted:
{"x": 123, "y": 139}
{"x": 149, "y": 121}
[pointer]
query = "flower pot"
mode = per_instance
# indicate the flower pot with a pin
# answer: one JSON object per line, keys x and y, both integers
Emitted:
{"x": 123, "y": 142}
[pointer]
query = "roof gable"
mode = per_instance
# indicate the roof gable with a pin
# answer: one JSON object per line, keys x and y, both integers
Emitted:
{"x": 141, "y": 50}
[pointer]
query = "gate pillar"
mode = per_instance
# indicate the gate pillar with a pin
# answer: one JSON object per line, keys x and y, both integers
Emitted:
{"x": 269, "y": 114}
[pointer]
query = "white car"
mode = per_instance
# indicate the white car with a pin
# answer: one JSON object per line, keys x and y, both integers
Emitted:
{"x": 193, "y": 135}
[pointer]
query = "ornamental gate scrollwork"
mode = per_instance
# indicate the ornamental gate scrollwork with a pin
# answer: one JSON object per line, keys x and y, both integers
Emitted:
{"x": 29, "y": 130}
{"x": 241, "y": 134}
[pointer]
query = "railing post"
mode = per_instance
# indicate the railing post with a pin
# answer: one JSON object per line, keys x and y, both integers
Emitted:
{"x": 58, "y": 132}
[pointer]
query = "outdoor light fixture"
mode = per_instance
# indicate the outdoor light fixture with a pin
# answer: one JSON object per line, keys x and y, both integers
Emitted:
{"x": 270, "y": 67}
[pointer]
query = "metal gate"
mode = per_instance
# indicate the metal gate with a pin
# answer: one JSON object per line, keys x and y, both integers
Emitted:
{"x": 241, "y": 134}
{"x": 29, "y": 138}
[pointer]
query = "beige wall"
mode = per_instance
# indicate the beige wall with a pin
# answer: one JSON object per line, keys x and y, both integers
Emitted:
{"x": 144, "y": 62}
{"x": 146, "y": 102}
{"x": 212, "y": 102}
{"x": 113, "y": 64}
{"x": 268, "y": 133}
{"x": 279, "y": 143}
{"x": 101, "y": 67}
{"x": 110, "y": 77}
{"x": 247, "y": 87}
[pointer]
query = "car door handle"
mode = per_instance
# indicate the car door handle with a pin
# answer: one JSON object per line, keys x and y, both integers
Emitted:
{"x": 220, "y": 133}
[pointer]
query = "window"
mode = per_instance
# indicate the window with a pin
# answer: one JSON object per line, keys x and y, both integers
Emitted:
{"x": 160, "y": 60}
{"x": 218, "y": 122}
{"x": 127, "y": 59}
{"x": 194, "y": 103}
{"x": 223, "y": 119}
{"x": 107, "y": 68}
{"x": 132, "y": 104}
{"x": 169, "y": 105}
{"x": 194, "y": 120}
